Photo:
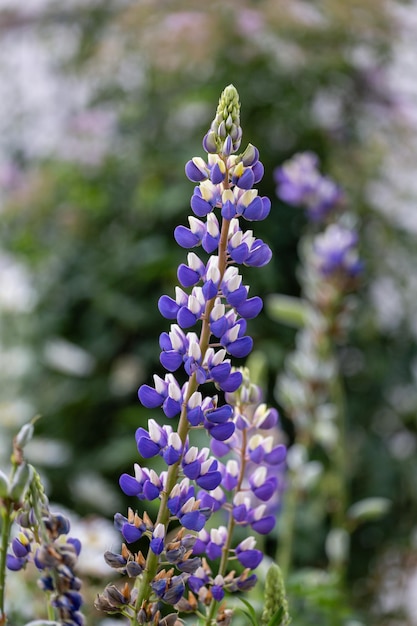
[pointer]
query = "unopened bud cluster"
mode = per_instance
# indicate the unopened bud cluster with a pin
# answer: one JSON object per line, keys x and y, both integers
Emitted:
{"x": 44, "y": 542}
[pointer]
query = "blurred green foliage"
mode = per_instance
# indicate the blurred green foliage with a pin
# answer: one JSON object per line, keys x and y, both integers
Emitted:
{"x": 97, "y": 238}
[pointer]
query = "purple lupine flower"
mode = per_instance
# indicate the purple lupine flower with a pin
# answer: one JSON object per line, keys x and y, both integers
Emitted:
{"x": 198, "y": 580}
{"x": 166, "y": 393}
{"x": 21, "y": 549}
{"x": 205, "y": 198}
{"x": 209, "y": 313}
{"x": 335, "y": 252}
{"x": 300, "y": 183}
{"x": 247, "y": 555}
{"x": 199, "y": 233}
{"x": 217, "y": 540}
{"x": 145, "y": 485}
{"x": 55, "y": 559}
{"x": 244, "y": 249}
{"x": 150, "y": 442}
{"x": 199, "y": 466}
{"x": 157, "y": 541}
{"x": 212, "y": 499}
{"x": 191, "y": 516}
{"x": 179, "y": 496}
{"x": 170, "y": 588}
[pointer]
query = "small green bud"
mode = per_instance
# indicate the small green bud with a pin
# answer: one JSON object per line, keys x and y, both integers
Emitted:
{"x": 24, "y": 435}
{"x": 20, "y": 482}
{"x": 276, "y": 604}
{"x": 4, "y": 485}
{"x": 226, "y": 123}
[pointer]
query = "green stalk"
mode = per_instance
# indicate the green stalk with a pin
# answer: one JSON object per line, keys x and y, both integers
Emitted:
{"x": 6, "y": 525}
{"x": 340, "y": 463}
{"x": 287, "y": 522}
{"x": 6, "y": 519}
{"x": 338, "y": 458}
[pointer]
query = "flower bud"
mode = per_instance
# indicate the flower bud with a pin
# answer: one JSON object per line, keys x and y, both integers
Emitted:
{"x": 170, "y": 620}
{"x": 225, "y": 132}
{"x": 250, "y": 155}
{"x": 275, "y": 596}
{"x": 4, "y": 485}
{"x": 20, "y": 482}
{"x": 24, "y": 435}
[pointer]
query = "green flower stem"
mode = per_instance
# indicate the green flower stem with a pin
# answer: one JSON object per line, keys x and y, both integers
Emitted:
{"x": 7, "y": 516}
{"x": 340, "y": 459}
{"x": 152, "y": 560}
{"x": 287, "y": 523}
{"x": 340, "y": 463}
{"x": 6, "y": 524}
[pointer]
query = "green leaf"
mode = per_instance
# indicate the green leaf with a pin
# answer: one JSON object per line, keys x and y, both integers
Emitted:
{"x": 250, "y": 612}
{"x": 277, "y": 618}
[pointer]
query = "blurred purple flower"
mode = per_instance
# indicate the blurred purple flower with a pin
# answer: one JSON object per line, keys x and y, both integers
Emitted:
{"x": 300, "y": 183}
{"x": 335, "y": 252}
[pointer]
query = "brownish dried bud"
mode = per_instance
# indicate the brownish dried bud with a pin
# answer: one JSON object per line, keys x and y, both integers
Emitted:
{"x": 112, "y": 599}
{"x": 170, "y": 620}
{"x": 224, "y": 617}
{"x": 187, "y": 605}
{"x": 130, "y": 515}
{"x": 147, "y": 521}
{"x": 125, "y": 552}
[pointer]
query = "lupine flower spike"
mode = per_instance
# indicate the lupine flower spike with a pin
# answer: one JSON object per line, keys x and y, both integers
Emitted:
{"x": 311, "y": 388}
{"x": 237, "y": 474}
{"x": 40, "y": 538}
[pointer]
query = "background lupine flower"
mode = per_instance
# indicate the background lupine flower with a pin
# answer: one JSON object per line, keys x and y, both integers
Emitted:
{"x": 335, "y": 252}
{"x": 310, "y": 389}
{"x": 300, "y": 183}
{"x": 41, "y": 540}
{"x": 209, "y": 312}
{"x": 40, "y": 536}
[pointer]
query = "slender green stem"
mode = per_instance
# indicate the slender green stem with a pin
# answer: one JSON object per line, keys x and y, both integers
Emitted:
{"x": 287, "y": 522}
{"x": 7, "y": 517}
{"x": 6, "y": 524}
{"x": 340, "y": 459}
{"x": 340, "y": 464}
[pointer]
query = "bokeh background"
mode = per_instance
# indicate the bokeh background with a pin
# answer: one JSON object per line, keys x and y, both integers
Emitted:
{"x": 101, "y": 104}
